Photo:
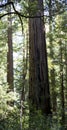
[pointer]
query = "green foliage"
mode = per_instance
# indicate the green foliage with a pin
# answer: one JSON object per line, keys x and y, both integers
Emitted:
{"x": 37, "y": 121}
{"x": 29, "y": 7}
{"x": 12, "y": 121}
{"x": 5, "y": 98}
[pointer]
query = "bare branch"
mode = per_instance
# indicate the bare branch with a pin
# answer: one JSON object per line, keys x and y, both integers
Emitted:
{"x": 16, "y": 12}
{"x": 22, "y": 15}
{"x": 6, "y": 14}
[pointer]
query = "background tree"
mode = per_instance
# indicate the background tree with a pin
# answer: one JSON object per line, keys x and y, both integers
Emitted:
{"x": 51, "y": 55}
{"x": 10, "y": 51}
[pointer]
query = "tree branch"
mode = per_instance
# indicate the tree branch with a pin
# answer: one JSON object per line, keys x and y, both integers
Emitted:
{"x": 21, "y": 15}
{"x": 16, "y": 12}
{"x": 7, "y": 14}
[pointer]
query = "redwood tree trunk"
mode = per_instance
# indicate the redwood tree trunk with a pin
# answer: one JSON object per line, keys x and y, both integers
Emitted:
{"x": 39, "y": 94}
{"x": 10, "y": 52}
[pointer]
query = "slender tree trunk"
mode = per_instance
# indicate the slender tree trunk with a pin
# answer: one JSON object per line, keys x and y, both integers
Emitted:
{"x": 24, "y": 73}
{"x": 39, "y": 94}
{"x": 52, "y": 71}
{"x": 10, "y": 52}
{"x": 66, "y": 73}
{"x": 53, "y": 90}
{"x": 65, "y": 81}
{"x": 62, "y": 82}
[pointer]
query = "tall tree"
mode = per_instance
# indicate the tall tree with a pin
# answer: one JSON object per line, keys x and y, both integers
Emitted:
{"x": 10, "y": 51}
{"x": 62, "y": 81}
{"x": 39, "y": 94}
{"x": 52, "y": 70}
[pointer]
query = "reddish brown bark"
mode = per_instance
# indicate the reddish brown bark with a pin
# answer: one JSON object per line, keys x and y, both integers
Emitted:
{"x": 38, "y": 79}
{"x": 10, "y": 52}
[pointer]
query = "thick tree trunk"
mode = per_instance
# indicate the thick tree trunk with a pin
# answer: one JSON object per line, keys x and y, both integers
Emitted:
{"x": 10, "y": 52}
{"x": 39, "y": 94}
